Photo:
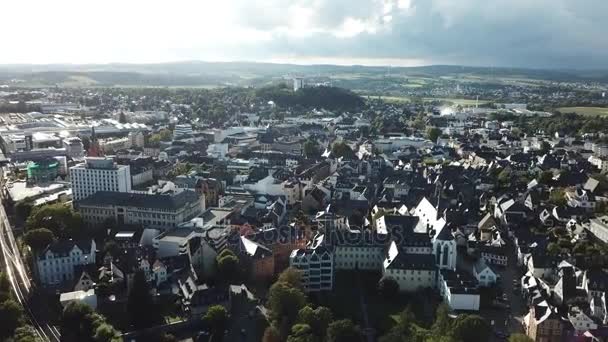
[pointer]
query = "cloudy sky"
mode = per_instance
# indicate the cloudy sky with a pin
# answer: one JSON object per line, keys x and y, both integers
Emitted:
{"x": 530, "y": 33}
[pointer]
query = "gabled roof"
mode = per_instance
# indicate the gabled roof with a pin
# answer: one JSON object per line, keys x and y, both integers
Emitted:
{"x": 254, "y": 249}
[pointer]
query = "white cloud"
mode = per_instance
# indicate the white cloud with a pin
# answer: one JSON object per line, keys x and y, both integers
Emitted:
{"x": 497, "y": 32}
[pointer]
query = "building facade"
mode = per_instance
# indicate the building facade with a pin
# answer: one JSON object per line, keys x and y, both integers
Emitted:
{"x": 317, "y": 267}
{"x": 55, "y": 265}
{"x": 150, "y": 210}
{"x": 99, "y": 174}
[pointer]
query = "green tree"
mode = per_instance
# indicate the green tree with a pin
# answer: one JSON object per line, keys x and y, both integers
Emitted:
{"x": 442, "y": 324}
{"x": 23, "y": 209}
{"x": 402, "y": 331}
{"x": 311, "y": 148}
{"x": 342, "y": 150}
{"x": 553, "y": 248}
{"x": 471, "y": 328}
{"x": 504, "y": 177}
{"x": 122, "y": 118}
{"x": 318, "y": 319}
{"x": 301, "y": 333}
{"x": 11, "y": 318}
{"x": 38, "y": 239}
{"x": 216, "y": 319}
{"x": 75, "y": 322}
{"x": 140, "y": 304}
{"x": 343, "y": 331}
{"x": 284, "y": 302}
{"x": 520, "y": 338}
{"x": 80, "y": 323}
{"x": 433, "y": 133}
{"x": 25, "y": 333}
{"x": 106, "y": 333}
{"x": 388, "y": 287}
{"x": 291, "y": 276}
{"x": 546, "y": 177}
{"x": 228, "y": 265}
{"x": 558, "y": 197}
{"x": 59, "y": 218}
{"x": 271, "y": 334}
{"x": 5, "y": 288}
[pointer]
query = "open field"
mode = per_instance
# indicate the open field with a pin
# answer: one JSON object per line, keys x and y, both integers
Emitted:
{"x": 590, "y": 111}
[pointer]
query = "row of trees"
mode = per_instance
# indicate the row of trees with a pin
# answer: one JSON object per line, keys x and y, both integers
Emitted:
{"x": 463, "y": 328}
{"x": 12, "y": 321}
{"x": 80, "y": 323}
{"x": 294, "y": 320}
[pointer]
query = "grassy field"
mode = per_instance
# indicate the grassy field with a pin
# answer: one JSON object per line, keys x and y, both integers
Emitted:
{"x": 590, "y": 111}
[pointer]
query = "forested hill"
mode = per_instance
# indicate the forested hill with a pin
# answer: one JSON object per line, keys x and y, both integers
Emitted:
{"x": 330, "y": 98}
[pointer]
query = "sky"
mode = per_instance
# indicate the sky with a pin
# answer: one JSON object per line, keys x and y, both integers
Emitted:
{"x": 517, "y": 33}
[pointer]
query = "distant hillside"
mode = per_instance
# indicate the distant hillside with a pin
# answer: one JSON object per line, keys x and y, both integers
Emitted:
{"x": 246, "y": 73}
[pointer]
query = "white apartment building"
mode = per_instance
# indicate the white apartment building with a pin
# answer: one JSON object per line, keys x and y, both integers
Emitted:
{"x": 99, "y": 174}
{"x": 411, "y": 271}
{"x": 150, "y": 210}
{"x": 56, "y": 264}
{"x": 317, "y": 267}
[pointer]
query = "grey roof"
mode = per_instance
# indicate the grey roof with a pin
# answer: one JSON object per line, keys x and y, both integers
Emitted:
{"x": 63, "y": 247}
{"x": 139, "y": 200}
{"x": 413, "y": 261}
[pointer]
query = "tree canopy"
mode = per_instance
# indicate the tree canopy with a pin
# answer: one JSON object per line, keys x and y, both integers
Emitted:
{"x": 11, "y": 315}
{"x": 38, "y": 239}
{"x": 80, "y": 323}
{"x": 228, "y": 265}
{"x": 58, "y": 218}
{"x": 343, "y": 331}
{"x": 342, "y": 150}
{"x": 317, "y": 319}
{"x": 216, "y": 319}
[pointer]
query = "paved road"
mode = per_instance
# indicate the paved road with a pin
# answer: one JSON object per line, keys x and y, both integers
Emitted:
{"x": 17, "y": 274}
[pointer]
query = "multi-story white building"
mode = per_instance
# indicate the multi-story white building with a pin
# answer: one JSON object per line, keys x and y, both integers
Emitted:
{"x": 99, "y": 174}
{"x": 55, "y": 265}
{"x": 358, "y": 250}
{"x": 459, "y": 290}
{"x": 150, "y": 210}
{"x": 317, "y": 266}
{"x": 410, "y": 271}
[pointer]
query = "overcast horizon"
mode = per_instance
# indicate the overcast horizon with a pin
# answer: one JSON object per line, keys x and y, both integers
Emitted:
{"x": 543, "y": 34}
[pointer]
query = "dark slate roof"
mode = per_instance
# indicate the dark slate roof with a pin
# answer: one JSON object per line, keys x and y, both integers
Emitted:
{"x": 363, "y": 238}
{"x": 139, "y": 200}
{"x": 405, "y": 224}
{"x": 445, "y": 234}
{"x": 63, "y": 247}
{"x": 405, "y": 261}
